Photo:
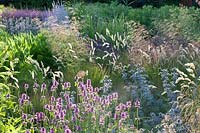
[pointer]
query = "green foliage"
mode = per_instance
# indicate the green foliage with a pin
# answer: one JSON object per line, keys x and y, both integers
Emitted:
{"x": 107, "y": 26}
{"x": 9, "y": 115}
{"x": 44, "y": 4}
{"x": 66, "y": 46}
{"x": 169, "y": 20}
{"x": 28, "y": 45}
{"x": 181, "y": 21}
{"x": 99, "y": 17}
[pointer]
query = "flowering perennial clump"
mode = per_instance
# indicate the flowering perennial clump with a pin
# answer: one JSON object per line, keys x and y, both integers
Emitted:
{"x": 88, "y": 112}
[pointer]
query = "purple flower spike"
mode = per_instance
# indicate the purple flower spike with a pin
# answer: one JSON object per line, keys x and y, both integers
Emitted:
{"x": 116, "y": 116}
{"x": 59, "y": 101}
{"x": 67, "y": 98}
{"x": 35, "y": 85}
{"x": 115, "y": 96}
{"x": 68, "y": 130}
{"x": 55, "y": 83}
{"x": 27, "y": 131}
{"x": 78, "y": 128}
{"x": 21, "y": 101}
{"x": 137, "y": 103}
{"x": 43, "y": 130}
{"x": 67, "y": 85}
{"x": 43, "y": 87}
{"x": 26, "y": 86}
{"x": 31, "y": 120}
{"x": 88, "y": 83}
{"x": 62, "y": 115}
{"x": 101, "y": 120}
{"x": 53, "y": 88}
{"x": 24, "y": 116}
{"x": 128, "y": 104}
{"x": 8, "y": 96}
{"x": 53, "y": 99}
{"x": 124, "y": 115}
{"x": 51, "y": 130}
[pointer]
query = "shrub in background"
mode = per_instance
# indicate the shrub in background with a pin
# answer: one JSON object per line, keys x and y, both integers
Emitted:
{"x": 39, "y": 4}
{"x": 17, "y": 21}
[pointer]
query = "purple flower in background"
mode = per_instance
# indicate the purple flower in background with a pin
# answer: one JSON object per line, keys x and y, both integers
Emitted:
{"x": 51, "y": 107}
{"x": 76, "y": 110}
{"x": 78, "y": 128}
{"x": 27, "y": 131}
{"x": 43, "y": 86}
{"x": 124, "y": 115}
{"x": 24, "y": 116}
{"x": 115, "y": 96}
{"x": 23, "y": 99}
{"x": 53, "y": 88}
{"x": 59, "y": 101}
{"x": 46, "y": 106}
{"x": 66, "y": 96}
{"x": 26, "y": 86}
{"x": 31, "y": 120}
{"x": 59, "y": 107}
{"x": 55, "y": 83}
{"x": 128, "y": 104}
{"x": 137, "y": 103}
{"x": 35, "y": 85}
{"x": 43, "y": 130}
{"x": 8, "y": 96}
{"x": 67, "y": 85}
{"x": 24, "y": 96}
{"x": 16, "y": 14}
{"x": 88, "y": 83}
{"x": 52, "y": 99}
{"x": 118, "y": 108}
{"x": 116, "y": 116}
{"x": 62, "y": 115}
{"x": 96, "y": 89}
{"x": 101, "y": 120}
{"x": 68, "y": 130}
{"x": 73, "y": 118}
{"x": 51, "y": 130}
{"x": 110, "y": 97}
{"x": 39, "y": 116}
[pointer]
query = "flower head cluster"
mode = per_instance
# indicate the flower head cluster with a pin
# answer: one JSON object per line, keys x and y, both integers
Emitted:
{"x": 24, "y": 99}
{"x": 64, "y": 114}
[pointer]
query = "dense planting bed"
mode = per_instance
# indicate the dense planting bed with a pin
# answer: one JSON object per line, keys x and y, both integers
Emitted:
{"x": 96, "y": 67}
